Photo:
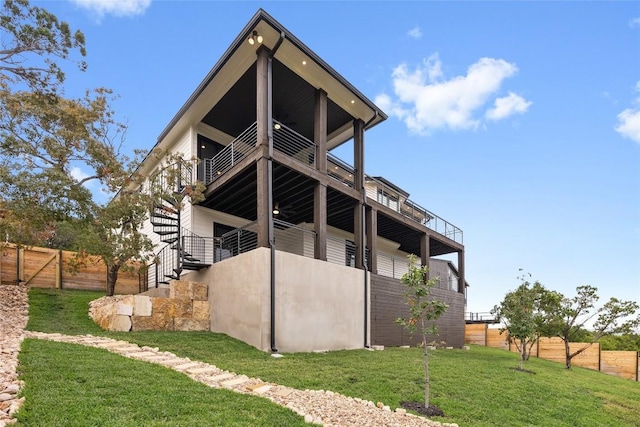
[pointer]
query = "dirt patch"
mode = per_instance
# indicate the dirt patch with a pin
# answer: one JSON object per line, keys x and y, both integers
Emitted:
{"x": 431, "y": 411}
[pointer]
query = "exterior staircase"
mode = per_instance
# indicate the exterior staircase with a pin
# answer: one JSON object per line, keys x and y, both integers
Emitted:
{"x": 184, "y": 249}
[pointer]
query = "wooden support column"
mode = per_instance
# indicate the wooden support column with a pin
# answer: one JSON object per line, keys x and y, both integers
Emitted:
{"x": 424, "y": 251}
{"x": 320, "y": 130}
{"x": 265, "y": 140}
{"x": 320, "y": 189}
{"x": 358, "y": 233}
{"x": 320, "y": 220}
{"x": 372, "y": 239}
{"x": 358, "y": 212}
{"x": 461, "y": 278}
{"x": 263, "y": 101}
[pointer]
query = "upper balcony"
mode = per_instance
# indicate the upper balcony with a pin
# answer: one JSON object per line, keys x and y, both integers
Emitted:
{"x": 303, "y": 151}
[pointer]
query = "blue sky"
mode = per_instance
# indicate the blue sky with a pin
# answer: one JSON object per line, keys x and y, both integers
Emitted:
{"x": 519, "y": 122}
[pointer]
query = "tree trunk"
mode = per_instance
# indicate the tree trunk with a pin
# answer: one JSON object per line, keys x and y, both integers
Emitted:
{"x": 426, "y": 371}
{"x": 567, "y": 354}
{"x": 112, "y": 278}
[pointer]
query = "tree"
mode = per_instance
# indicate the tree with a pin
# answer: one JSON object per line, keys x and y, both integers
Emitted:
{"x": 33, "y": 39}
{"x": 423, "y": 311}
{"x": 53, "y": 148}
{"x": 523, "y": 313}
{"x": 574, "y": 314}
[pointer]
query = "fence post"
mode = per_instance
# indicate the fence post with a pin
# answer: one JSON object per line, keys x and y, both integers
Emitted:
{"x": 59, "y": 269}
{"x": 486, "y": 335}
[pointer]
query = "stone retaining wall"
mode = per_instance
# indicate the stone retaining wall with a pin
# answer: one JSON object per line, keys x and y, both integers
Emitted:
{"x": 186, "y": 308}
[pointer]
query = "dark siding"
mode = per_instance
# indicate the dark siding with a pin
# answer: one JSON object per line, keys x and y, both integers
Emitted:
{"x": 387, "y": 304}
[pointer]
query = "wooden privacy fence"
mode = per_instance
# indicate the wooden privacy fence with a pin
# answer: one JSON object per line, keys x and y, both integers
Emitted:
{"x": 50, "y": 268}
{"x": 624, "y": 364}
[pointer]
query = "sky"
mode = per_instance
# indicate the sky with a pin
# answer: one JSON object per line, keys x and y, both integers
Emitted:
{"x": 519, "y": 122}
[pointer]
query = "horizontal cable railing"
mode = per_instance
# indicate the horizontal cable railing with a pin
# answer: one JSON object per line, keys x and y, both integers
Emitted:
{"x": 230, "y": 155}
{"x": 393, "y": 199}
{"x": 484, "y": 317}
{"x": 236, "y": 242}
{"x": 293, "y": 239}
{"x": 291, "y": 143}
{"x": 340, "y": 171}
{"x": 287, "y": 238}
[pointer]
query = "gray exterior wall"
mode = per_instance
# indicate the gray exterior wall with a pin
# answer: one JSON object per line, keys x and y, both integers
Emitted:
{"x": 387, "y": 304}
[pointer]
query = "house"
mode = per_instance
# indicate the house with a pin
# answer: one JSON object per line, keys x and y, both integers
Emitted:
{"x": 301, "y": 251}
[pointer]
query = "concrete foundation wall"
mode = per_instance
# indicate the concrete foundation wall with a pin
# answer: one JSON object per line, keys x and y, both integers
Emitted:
{"x": 239, "y": 296}
{"x": 319, "y": 305}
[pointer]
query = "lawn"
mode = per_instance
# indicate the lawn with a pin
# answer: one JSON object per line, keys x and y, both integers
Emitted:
{"x": 474, "y": 388}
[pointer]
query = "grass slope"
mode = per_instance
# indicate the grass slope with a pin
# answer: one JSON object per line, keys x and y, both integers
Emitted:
{"x": 474, "y": 388}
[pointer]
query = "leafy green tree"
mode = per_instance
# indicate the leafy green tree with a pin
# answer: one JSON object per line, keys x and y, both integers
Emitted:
{"x": 523, "y": 313}
{"x": 574, "y": 314}
{"x": 423, "y": 311}
{"x": 57, "y": 152}
{"x": 33, "y": 41}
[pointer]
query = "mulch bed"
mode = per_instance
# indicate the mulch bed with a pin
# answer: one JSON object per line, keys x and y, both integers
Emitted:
{"x": 431, "y": 411}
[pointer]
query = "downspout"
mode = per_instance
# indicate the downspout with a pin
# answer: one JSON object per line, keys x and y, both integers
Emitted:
{"x": 272, "y": 243}
{"x": 364, "y": 255}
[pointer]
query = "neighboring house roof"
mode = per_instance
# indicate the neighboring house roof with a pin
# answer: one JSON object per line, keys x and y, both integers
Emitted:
{"x": 291, "y": 52}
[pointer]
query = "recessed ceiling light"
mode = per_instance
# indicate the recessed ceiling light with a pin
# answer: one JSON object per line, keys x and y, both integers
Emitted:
{"x": 304, "y": 62}
{"x": 202, "y": 146}
{"x": 353, "y": 102}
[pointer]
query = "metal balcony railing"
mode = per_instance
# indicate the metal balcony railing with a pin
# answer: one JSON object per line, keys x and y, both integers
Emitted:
{"x": 393, "y": 199}
{"x": 230, "y": 155}
{"x": 294, "y": 145}
{"x": 287, "y": 238}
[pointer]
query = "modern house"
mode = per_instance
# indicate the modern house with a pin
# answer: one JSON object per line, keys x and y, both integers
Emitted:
{"x": 301, "y": 251}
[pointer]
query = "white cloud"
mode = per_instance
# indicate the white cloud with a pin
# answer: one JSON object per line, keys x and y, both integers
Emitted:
{"x": 78, "y": 174}
{"x": 507, "y": 106}
{"x": 114, "y": 7}
{"x": 635, "y": 22}
{"x": 426, "y": 101}
{"x": 629, "y": 121}
{"x": 629, "y": 124}
{"x": 415, "y": 33}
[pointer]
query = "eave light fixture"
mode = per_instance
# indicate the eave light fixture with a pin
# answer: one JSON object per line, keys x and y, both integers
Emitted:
{"x": 255, "y": 38}
{"x": 276, "y": 126}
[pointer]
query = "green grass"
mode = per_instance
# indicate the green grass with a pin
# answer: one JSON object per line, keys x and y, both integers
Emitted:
{"x": 72, "y": 385}
{"x": 474, "y": 388}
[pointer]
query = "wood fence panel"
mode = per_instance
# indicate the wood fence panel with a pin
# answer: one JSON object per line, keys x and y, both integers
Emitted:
{"x": 50, "y": 268}
{"x": 8, "y": 265}
{"x": 475, "y": 334}
{"x": 496, "y": 339}
{"x": 40, "y": 267}
{"x": 553, "y": 349}
{"x": 620, "y": 363}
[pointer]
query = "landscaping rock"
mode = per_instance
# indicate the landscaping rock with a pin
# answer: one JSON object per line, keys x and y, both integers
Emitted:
{"x": 14, "y": 309}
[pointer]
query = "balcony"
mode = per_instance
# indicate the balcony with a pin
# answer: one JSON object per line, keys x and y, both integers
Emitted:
{"x": 299, "y": 148}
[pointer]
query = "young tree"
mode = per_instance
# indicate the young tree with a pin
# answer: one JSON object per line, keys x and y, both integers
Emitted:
{"x": 523, "y": 313}
{"x": 423, "y": 311}
{"x": 574, "y": 314}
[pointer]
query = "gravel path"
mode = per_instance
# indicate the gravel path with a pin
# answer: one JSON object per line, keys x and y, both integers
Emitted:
{"x": 316, "y": 406}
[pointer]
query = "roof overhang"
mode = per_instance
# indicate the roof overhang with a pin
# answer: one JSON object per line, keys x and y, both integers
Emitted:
{"x": 291, "y": 52}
